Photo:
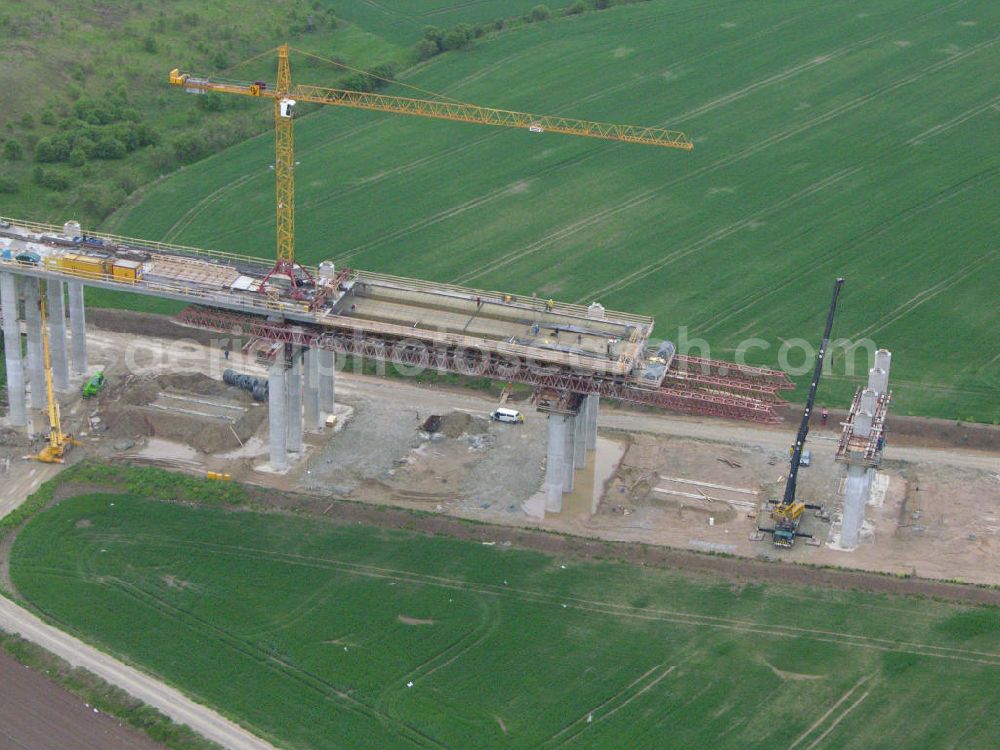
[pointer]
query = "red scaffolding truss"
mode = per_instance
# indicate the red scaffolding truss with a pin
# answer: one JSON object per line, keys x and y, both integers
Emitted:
{"x": 749, "y": 395}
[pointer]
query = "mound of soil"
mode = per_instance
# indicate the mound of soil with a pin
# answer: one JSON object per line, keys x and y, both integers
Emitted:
{"x": 131, "y": 415}
{"x": 455, "y": 424}
{"x": 458, "y": 423}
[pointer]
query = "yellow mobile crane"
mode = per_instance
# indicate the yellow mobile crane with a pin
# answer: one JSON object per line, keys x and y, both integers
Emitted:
{"x": 286, "y": 96}
{"x": 59, "y": 441}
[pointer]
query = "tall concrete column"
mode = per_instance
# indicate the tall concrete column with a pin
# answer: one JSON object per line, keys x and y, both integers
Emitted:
{"x": 555, "y": 460}
{"x": 36, "y": 363}
{"x": 310, "y": 396}
{"x": 569, "y": 453}
{"x": 293, "y": 403}
{"x": 276, "y": 388}
{"x": 17, "y": 414}
{"x": 859, "y": 478}
{"x": 855, "y": 498}
{"x": 327, "y": 380}
{"x": 878, "y": 380}
{"x": 56, "y": 311}
{"x": 883, "y": 360}
{"x": 580, "y": 438}
{"x": 593, "y": 408}
{"x": 78, "y": 327}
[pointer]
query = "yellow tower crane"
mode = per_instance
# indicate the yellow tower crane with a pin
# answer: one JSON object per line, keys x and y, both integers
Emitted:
{"x": 285, "y": 97}
{"x": 59, "y": 441}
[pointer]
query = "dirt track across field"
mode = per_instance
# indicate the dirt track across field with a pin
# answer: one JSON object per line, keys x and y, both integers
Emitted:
{"x": 37, "y": 714}
{"x": 148, "y": 689}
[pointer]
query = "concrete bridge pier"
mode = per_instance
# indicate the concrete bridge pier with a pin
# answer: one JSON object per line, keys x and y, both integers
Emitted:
{"x": 78, "y": 327}
{"x": 592, "y": 407}
{"x": 857, "y": 488}
{"x": 293, "y": 401}
{"x": 276, "y": 396}
{"x": 310, "y": 386}
{"x": 17, "y": 414}
{"x": 327, "y": 381}
{"x": 555, "y": 461}
{"x": 55, "y": 305}
{"x": 569, "y": 455}
{"x": 856, "y": 492}
{"x": 36, "y": 363}
{"x": 580, "y": 438}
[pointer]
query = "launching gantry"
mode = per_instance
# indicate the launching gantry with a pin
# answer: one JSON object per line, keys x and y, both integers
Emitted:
{"x": 572, "y": 355}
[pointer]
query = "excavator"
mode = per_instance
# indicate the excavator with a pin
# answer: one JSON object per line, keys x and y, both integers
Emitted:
{"x": 787, "y": 513}
{"x": 59, "y": 441}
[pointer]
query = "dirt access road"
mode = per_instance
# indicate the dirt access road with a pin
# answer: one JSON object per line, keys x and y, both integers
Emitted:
{"x": 148, "y": 689}
{"x": 37, "y": 714}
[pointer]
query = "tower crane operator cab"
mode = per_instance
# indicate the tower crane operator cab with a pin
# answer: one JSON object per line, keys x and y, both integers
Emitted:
{"x": 286, "y": 107}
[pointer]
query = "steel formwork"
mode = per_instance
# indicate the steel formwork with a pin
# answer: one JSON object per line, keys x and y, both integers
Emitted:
{"x": 866, "y": 450}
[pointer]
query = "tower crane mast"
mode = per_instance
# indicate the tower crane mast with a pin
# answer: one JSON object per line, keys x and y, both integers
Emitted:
{"x": 286, "y": 96}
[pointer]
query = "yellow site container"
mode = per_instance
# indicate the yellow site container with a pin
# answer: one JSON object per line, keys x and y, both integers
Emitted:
{"x": 84, "y": 265}
{"x": 127, "y": 271}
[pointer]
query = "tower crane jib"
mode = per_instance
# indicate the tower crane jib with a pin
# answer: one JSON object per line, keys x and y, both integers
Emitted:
{"x": 286, "y": 96}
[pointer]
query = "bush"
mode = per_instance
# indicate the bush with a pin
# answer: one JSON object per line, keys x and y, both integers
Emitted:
{"x": 49, "y": 179}
{"x": 210, "y": 102}
{"x": 100, "y": 200}
{"x": 27, "y": 121}
{"x": 190, "y": 149}
{"x": 458, "y": 37}
{"x": 13, "y": 150}
{"x": 77, "y": 157}
{"x": 54, "y": 148}
{"x": 540, "y": 13}
{"x": 108, "y": 147}
{"x": 426, "y": 49}
{"x": 577, "y": 8}
{"x": 147, "y": 135}
{"x": 434, "y": 34}
{"x": 8, "y": 186}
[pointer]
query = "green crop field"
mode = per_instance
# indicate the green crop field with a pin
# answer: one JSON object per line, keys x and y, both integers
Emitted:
{"x": 321, "y": 635}
{"x": 831, "y": 138}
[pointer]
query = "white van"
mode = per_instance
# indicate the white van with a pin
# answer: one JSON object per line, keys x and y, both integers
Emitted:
{"x": 507, "y": 415}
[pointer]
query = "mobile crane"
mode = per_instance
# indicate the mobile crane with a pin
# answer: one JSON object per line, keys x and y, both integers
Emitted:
{"x": 787, "y": 513}
{"x": 286, "y": 96}
{"x": 59, "y": 441}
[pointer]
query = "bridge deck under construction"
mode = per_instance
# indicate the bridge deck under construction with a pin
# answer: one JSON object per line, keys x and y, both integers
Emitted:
{"x": 541, "y": 342}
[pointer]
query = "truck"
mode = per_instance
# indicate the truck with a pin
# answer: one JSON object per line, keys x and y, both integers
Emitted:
{"x": 127, "y": 271}
{"x": 85, "y": 266}
{"x": 93, "y": 385}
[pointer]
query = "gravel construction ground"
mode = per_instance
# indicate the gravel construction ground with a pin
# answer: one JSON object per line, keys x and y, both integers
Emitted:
{"x": 486, "y": 470}
{"x": 937, "y": 517}
{"x": 37, "y": 714}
